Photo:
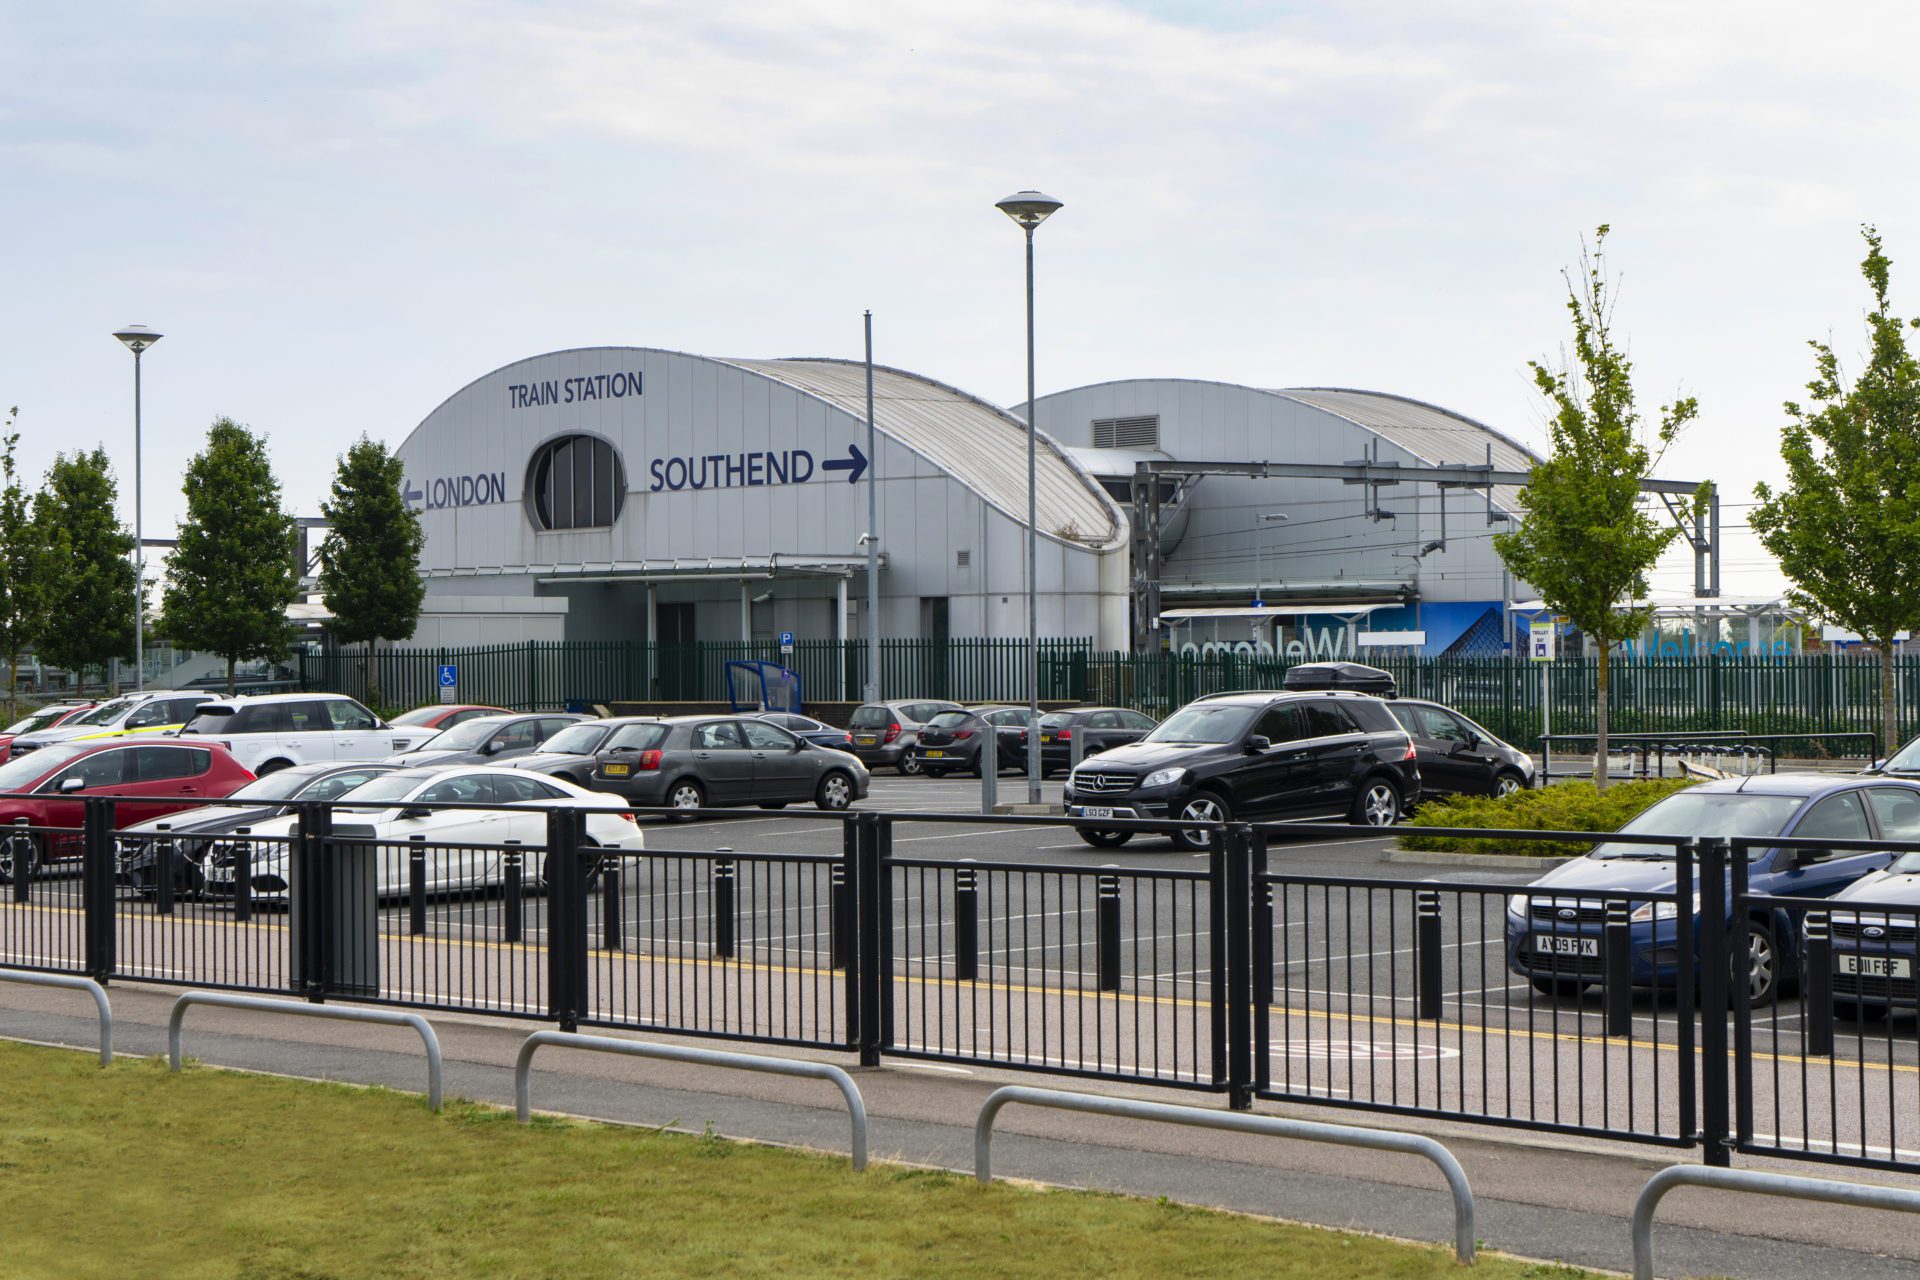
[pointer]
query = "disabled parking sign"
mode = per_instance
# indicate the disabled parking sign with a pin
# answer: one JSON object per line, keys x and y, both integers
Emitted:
{"x": 449, "y": 681}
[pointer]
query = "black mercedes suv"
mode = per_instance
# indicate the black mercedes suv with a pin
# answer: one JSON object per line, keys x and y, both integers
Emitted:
{"x": 1258, "y": 756}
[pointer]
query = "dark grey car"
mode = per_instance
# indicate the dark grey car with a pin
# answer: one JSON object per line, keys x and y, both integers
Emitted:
{"x": 487, "y": 740}
{"x": 1457, "y": 756}
{"x": 693, "y": 762}
{"x": 884, "y": 732}
{"x": 574, "y": 753}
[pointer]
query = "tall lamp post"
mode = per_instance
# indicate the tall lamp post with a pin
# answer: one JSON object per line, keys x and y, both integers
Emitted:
{"x": 1029, "y": 209}
{"x": 138, "y": 338}
{"x": 1259, "y": 595}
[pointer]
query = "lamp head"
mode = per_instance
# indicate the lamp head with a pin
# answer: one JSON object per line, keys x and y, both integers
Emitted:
{"x": 137, "y": 337}
{"x": 1028, "y": 208}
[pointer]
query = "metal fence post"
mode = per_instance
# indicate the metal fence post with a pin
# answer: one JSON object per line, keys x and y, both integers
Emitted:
{"x": 1427, "y": 966}
{"x": 1219, "y": 930}
{"x": 1712, "y": 944}
{"x": 838, "y": 931}
{"x": 1106, "y": 891}
{"x": 99, "y": 876}
{"x": 1616, "y": 955}
{"x": 845, "y": 928}
{"x": 22, "y": 842}
{"x": 990, "y": 774}
{"x": 1239, "y": 937}
{"x": 309, "y": 906}
{"x": 416, "y": 885}
{"x": 242, "y": 873}
{"x": 566, "y": 919}
{"x": 163, "y": 871}
{"x": 723, "y": 883}
{"x": 1262, "y": 960}
{"x": 1819, "y": 980}
{"x": 612, "y": 931}
{"x": 513, "y": 906}
{"x": 867, "y": 894}
{"x": 966, "y": 929}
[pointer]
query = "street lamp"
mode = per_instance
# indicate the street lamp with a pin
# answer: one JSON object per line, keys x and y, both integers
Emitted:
{"x": 138, "y": 338}
{"x": 1029, "y": 209}
{"x": 1271, "y": 517}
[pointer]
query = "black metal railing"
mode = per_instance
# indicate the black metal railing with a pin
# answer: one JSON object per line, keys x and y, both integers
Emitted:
{"x": 1590, "y": 1010}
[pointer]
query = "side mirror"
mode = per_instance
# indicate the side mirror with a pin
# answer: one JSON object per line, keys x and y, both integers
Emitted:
{"x": 70, "y": 785}
{"x": 414, "y": 813}
{"x": 493, "y": 748}
{"x": 799, "y": 745}
{"x": 1256, "y": 744}
{"x": 1806, "y": 857}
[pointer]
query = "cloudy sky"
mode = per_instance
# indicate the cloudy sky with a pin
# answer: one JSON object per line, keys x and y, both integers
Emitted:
{"x": 340, "y": 213}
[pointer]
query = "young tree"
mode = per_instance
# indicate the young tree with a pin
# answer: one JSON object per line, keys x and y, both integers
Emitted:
{"x": 1587, "y": 540}
{"x": 21, "y": 600}
{"x": 233, "y": 575}
{"x": 88, "y": 577}
{"x": 368, "y": 574}
{"x": 1846, "y": 528}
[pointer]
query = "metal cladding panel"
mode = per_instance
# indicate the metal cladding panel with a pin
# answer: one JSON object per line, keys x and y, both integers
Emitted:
{"x": 1429, "y": 433}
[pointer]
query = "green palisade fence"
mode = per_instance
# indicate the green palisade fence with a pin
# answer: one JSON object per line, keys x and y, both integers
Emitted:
{"x": 1777, "y": 695}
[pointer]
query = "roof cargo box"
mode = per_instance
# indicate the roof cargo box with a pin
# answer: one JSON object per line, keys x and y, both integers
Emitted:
{"x": 1349, "y": 677}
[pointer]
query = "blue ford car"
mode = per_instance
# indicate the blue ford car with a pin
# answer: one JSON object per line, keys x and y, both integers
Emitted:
{"x": 1555, "y": 928}
{"x": 1875, "y": 924}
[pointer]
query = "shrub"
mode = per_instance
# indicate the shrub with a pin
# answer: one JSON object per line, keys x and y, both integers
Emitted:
{"x": 1565, "y": 806}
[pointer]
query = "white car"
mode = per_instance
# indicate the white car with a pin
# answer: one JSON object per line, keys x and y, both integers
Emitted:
{"x": 274, "y": 730}
{"x": 463, "y": 845}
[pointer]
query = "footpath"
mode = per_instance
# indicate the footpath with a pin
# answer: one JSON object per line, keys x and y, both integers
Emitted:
{"x": 1542, "y": 1196}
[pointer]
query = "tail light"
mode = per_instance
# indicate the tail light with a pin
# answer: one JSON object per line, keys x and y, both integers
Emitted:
{"x": 960, "y": 735}
{"x": 1065, "y": 735}
{"x": 629, "y": 817}
{"x": 848, "y": 740}
{"x": 893, "y": 731}
{"x": 649, "y": 760}
{"x": 1411, "y": 753}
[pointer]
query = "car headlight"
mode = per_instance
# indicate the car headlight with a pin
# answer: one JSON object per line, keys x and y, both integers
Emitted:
{"x": 1517, "y": 904}
{"x": 1659, "y": 910}
{"x": 1162, "y": 777}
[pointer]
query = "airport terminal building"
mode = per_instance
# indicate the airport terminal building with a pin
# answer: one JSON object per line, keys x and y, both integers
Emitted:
{"x": 633, "y": 493}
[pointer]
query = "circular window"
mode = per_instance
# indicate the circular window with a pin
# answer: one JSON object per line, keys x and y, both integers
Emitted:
{"x": 575, "y": 482}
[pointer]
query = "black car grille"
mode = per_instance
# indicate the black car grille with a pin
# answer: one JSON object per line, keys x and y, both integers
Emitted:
{"x": 1875, "y": 988}
{"x": 1567, "y": 966}
{"x": 1888, "y": 932}
{"x": 1103, "y": 784}
{"x": 1549, "y": 913}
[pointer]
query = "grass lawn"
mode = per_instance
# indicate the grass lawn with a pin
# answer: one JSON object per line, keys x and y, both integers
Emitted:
{"x": 132, "y": 1171}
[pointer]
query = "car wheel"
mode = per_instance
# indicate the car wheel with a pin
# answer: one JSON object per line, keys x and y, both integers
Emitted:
{"x": 19, "y": 845}
{"x": 1567, "y": 987}
{"x": 271, "y": 766}
{"x": 1201, "y": 806}
{"x": 1759, "y": 975}
{"x": 909, "y": 764}
{"x": 1506, "y": 784}
{"x": 1104, "y": 839}
{"x": 686, "y": 794}
{"x": 1378, "y": 805}
{"x": 936, "y": 773}
{"x": 836, "y": 791}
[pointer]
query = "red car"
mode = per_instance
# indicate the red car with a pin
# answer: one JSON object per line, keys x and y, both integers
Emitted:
{"x": 44, "y": 718}
{"x": 416, "y": 726}
{"x": 49, "y": 788}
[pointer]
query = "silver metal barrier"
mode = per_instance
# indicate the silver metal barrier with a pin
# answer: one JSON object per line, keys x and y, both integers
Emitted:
{"x": 300, "y": 1009}
{"x": 856, "y": 1105}
{"x": 1203, "y": 1118}
{"x": 72, "y": 982}
{"x": 1858, "y": 1194}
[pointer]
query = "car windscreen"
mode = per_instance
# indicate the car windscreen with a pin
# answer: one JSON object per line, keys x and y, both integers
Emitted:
{"x": 1056, "y": 720}
{"x": 279, "y": 785}
{"x": 638, "y": 737}
{"x": 1707, "y": 814}
{"x": 949, "y": 719}
{"x": 106, "y": 712}
{"x": 576, "y": 739}
{"x": 1204, "y": 722}
{"x": 462, "y": 737}
{"x": 209, "y": 720}
{"x": 1906, "y": 759}
{"x": 419, "y": 715}
{"x": 38, "y": 720}
{"x": 19, "y": 773}
{"x": 382, "y": 792}
{"x": 870, "y": 717}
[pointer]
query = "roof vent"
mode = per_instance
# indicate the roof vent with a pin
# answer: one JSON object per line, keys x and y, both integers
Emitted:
{"x": 1127, "y": 433}
{"x": 961, "y": 559}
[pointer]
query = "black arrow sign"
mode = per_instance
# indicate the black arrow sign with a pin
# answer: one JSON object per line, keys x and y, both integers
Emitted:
{"x": 855, "y": 464}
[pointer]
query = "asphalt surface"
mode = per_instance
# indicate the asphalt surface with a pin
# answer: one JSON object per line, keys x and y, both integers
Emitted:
{"x": 1341, "y": 1024}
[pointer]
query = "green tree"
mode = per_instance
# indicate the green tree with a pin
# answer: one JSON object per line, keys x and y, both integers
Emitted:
{"x": 89, "y": 576}
{"x": 1846, "y": 528}
{"x": 1587, "y": 540}
{"x": 234, "y": 573}
{"x": 368, "y": 574}
{"x": 22, "y": 600}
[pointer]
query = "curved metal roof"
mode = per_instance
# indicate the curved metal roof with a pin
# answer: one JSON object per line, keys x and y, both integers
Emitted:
{"x": 978, "y": 444}
{"x": 1427, "y": 431}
